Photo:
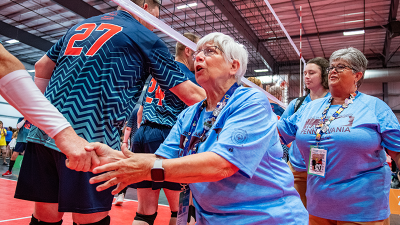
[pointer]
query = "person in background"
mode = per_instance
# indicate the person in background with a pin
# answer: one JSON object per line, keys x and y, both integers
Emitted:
{"x": 160, "y": 109}
{"x": 346, "y": 136}
{"x": 255, "y": 80}
{"x": 3, "y": 143}
{"x": 276, "y": 91}
{"x": 129, "y": 132}
{"x": 13, "y": 141}
{"x": 24, "y": 126}
{"x": 8, "y": 139}
{"x": 316, "y": 81}
{"x": 225, "y": 149}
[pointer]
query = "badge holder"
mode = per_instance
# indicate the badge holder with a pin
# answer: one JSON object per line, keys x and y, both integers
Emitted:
{"x": 317, "y": 161}
{"x": 186, "y": 212}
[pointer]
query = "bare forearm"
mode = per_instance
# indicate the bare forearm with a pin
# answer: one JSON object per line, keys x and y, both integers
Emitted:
{"x": 203, "y": 167}
{"x": 8, "y": 62}
{"x": 127, "y": 133}
{"x": 139, "y": 116}
{"x": 44, "y": 67}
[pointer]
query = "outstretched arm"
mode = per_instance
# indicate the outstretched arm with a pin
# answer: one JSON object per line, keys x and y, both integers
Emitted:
{"x": 37, "y": 109}
{"x": 203, "y": 167}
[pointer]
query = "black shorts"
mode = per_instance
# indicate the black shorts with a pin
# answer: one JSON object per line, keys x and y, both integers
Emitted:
{"x": 20, "y": 147}
{"x": 147, "y": 140}
{"x": 44, "y": 177}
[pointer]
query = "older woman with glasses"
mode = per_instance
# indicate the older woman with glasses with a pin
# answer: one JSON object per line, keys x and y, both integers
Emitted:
{"x": 226, "y": 148}
{"x": 342, "y": 138}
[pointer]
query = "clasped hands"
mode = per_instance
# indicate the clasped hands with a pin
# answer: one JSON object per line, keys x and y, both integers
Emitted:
{"x": 115, "y": 167}
{"x": 119, "y": 168}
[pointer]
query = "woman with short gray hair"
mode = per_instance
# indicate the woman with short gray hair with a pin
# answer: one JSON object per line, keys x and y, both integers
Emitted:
{"x": 226, "y": 149}
{"x": 342, "y": 139}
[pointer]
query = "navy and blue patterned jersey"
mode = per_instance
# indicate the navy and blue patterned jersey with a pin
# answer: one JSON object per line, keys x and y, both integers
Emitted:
{"x": 101, "y": 67}
{"x": 162, "y": 106}
{"x": 23, "y": 131}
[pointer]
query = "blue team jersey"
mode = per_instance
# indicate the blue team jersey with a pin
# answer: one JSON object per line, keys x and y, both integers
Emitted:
{"x": 162, "y": 106}
{"x": 295, "y": 157}
{"x": 277, "y": 109}
{"x": 23, "y": 131}
{"x": 101, "y": 67}
{"x": 357, "y": 178}
{"x": 244, "y": 134}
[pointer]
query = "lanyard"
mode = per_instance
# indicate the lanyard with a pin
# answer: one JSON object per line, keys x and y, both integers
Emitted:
{"x": 324, "y": 125}
{"x": 208, "y": 123}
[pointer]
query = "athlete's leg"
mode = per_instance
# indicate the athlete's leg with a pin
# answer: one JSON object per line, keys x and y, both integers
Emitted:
{"x": 3, "y": 151}
{"x": 79, "y": 218}
{"x": 173, "y": 201}
{"x": 47, "y": 212}
{"x": 147, "y": 203}
{"x": 19, "y": 148}
{"x": 12, "y": 161}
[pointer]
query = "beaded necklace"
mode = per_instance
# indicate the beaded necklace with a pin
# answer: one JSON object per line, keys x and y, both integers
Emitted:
{"x": 324, "y": 125}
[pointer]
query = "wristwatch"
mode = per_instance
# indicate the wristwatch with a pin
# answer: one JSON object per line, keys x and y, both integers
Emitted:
{"x": 157, "y": 172}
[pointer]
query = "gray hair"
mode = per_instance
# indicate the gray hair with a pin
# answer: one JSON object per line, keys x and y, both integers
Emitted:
{"x": 232, "y": 51}
{"x": 354, "y": 57}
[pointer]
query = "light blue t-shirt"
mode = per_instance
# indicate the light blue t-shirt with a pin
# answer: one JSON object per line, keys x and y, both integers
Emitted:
{"x": 357, "y": 179}
{"x": 295, "y": 157}
{"x": 244, "y": 134}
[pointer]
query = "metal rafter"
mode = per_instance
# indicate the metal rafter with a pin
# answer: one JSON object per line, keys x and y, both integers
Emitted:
{"x": 394, "y": 6}
{"x": 79, "y": 7}
{"x": 229, "y": 10}
{"x": 24, "y": 37}
{"x": 318, "y": 34}
{"x": 323, "y": 33}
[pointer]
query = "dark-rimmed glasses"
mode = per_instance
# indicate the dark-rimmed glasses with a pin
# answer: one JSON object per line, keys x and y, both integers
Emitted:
{"x": 208, "y": 51}
{"x": 339, "y": 68}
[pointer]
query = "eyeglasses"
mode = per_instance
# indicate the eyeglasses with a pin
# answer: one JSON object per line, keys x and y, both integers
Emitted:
{"x": 339, "y": 68}
{"x": 208, "y": 51}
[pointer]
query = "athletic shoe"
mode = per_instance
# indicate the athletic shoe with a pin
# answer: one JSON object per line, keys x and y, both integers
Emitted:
{"x": 120, "y": 199}
{"x": 5, "y": 164}
{"x": 7, "y": 174}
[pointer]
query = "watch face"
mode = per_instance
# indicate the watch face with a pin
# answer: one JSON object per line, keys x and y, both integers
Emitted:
{"x": 157, "y": 174}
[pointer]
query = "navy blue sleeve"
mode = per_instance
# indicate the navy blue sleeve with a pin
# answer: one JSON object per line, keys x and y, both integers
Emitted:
{"x": 54, "y": 51}
{"x": 163, "y": 67}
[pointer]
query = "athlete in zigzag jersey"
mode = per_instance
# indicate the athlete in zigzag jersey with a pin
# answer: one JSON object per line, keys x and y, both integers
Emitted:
{"x": 160, "y": 109}
{"x": 93, "y": 75}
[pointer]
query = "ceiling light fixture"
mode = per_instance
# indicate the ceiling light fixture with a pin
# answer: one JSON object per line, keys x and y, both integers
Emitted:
{"x": 187, "y": 6}
{"x": 31, "y": 71}
{"x": 12, "y": 41}
{"x": 262, "y": 70}
{"x": 353, "y": 32}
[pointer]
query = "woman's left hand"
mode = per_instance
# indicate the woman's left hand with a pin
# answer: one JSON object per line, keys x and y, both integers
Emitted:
{"x": 134, "y": 169}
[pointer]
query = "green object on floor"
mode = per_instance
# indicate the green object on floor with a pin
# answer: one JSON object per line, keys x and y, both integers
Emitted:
{"x": 18, "y": 162}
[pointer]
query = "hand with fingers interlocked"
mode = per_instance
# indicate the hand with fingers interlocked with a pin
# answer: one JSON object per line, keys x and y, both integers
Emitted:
{"x": 120, "y": 168}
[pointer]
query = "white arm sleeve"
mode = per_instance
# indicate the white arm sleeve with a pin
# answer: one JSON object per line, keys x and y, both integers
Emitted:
{"x": 42, "y": 83}
{"x": 18, "y": 89}
{"x": 20, "y": 124}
